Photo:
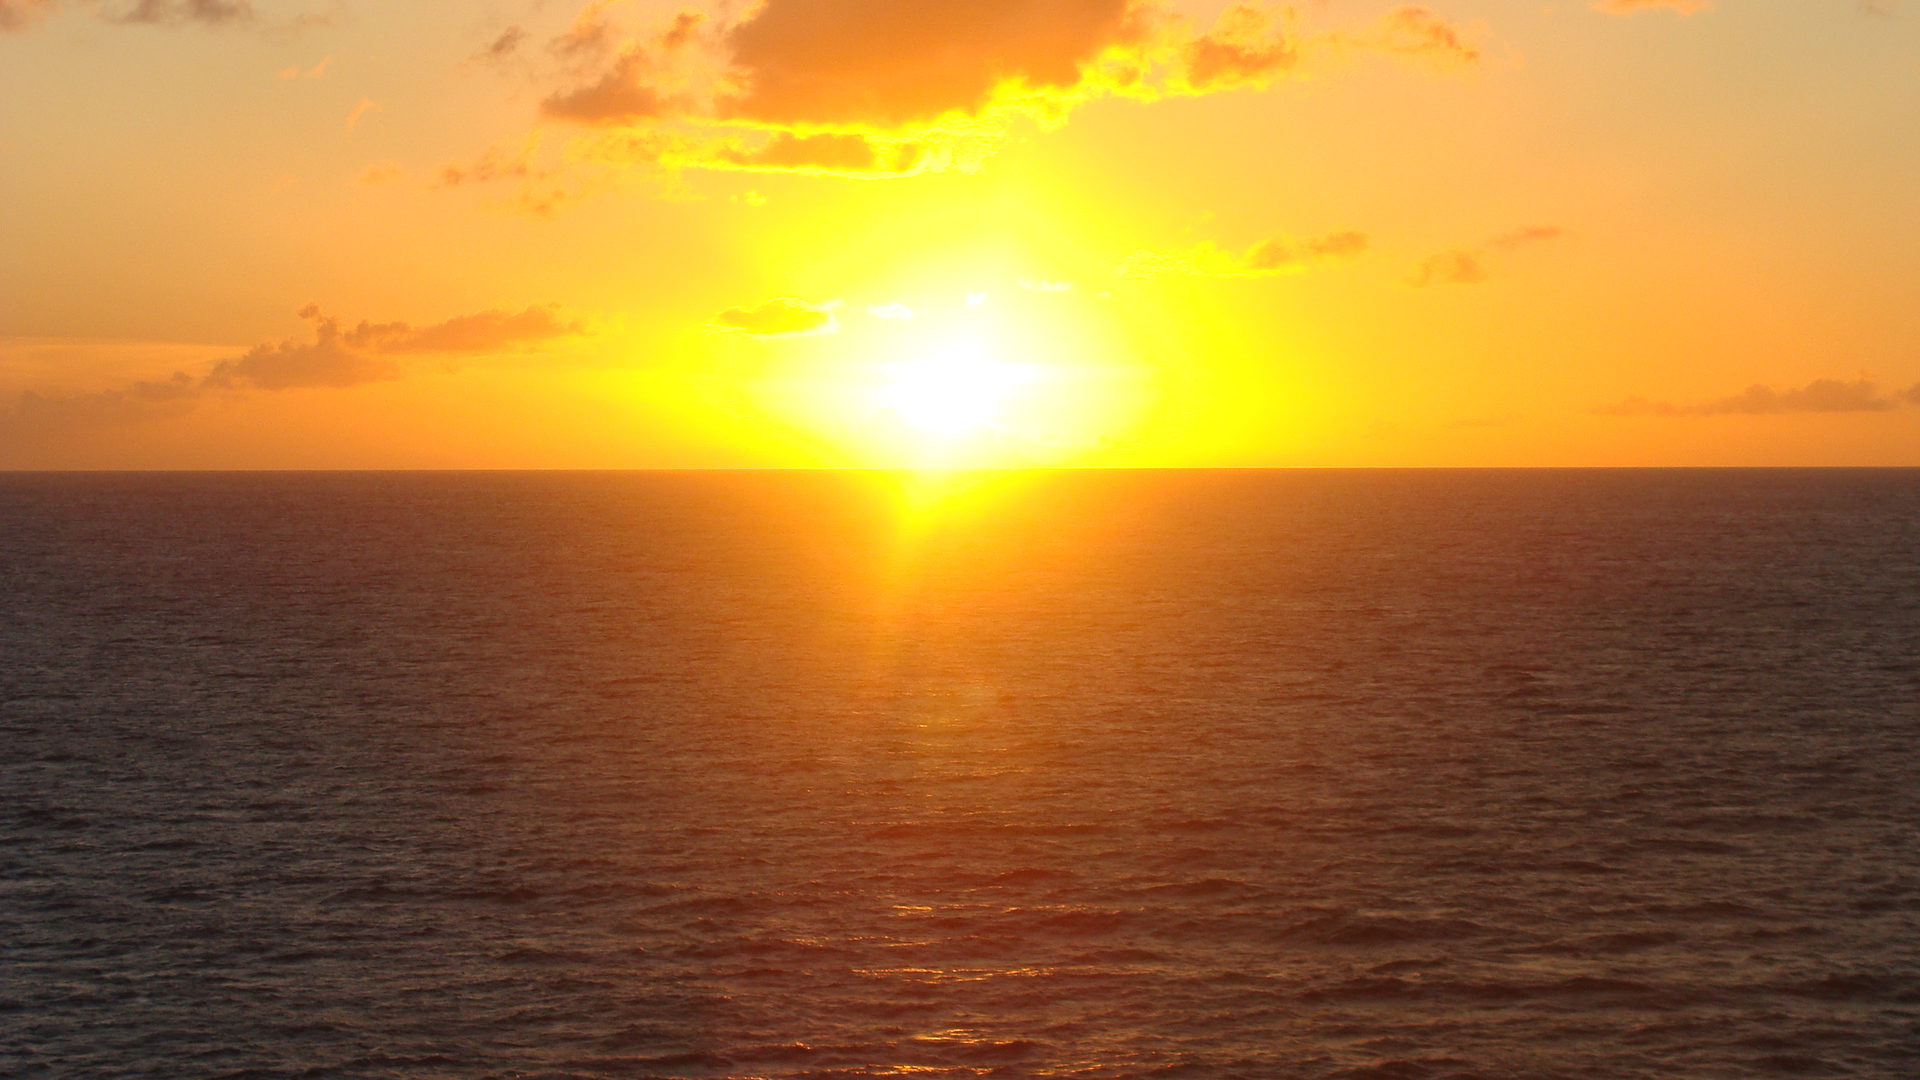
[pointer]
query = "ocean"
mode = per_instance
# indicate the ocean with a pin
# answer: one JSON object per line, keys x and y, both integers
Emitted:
{"x": 1400, "y": 775}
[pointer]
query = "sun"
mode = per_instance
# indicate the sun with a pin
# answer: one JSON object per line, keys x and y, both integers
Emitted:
{"x": 956, "y": 388}
{"x": 967, "y": 379}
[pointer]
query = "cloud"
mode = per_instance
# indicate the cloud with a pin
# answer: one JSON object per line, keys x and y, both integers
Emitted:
{"x": 336, "y": 357}
{"x": 1268, "y": 258}
{"x": 471, "y": 335}
{"x": 1449, "y": 268}
{"x": 174, "y": 12}
{"x": 881, "y": 88}
{"x": 506, "y": 45}
{"x": 498, "y": 163}
{"x": 839, "y": 155}
{"x": 18, "y": 15}
{"x": 619, "y": 96}
{"x": 592, "y": 32}
{"x": 317, "y": 71}
{"x": 539, "y": 189}
{"x": 349, "y": 357}
{"x": 1530, "y": 234}
{"x": 1818, "y": 396}
{"x": 1629, "y": 7}
{"x": 778, "y": 318}
{"x": 892, "y": 62}
{"x": 387, "y": 172}
{"x": 107, "y": 408}
{"x": 1418, "y": 32}
{"x": 1468, "y": 266}
{"x": 365, "y": 106}
{"x": 290, "y": 365}
{"x": 1241, "y": 50}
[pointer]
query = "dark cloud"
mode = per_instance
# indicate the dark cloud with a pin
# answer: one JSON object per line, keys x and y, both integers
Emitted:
{"x": 334, "y": 357}
{"x": 892, "y": 87}
{"x": 682, "y": 30}
{"x": 891, "y": 62}
{"x": 1819, "y": 396}
{"x": 619, "y": 96}
{"x": 506, "y": 45}
{"x": 777, "y": 317}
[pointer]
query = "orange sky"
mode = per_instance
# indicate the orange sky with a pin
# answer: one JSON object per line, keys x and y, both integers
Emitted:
{"x": 335, "y": 234}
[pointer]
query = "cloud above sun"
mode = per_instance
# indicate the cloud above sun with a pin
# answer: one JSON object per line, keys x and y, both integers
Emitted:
{"x": 879, "y": 88}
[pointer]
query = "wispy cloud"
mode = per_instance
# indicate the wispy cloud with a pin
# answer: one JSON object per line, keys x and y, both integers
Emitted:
{"x": 386, "y": 172}
{"x": 174, "y": 12}
{"x": 18, "y": 15}
{"x": 1268, "y": 258}
{"x": 336, "y": 356}
{"x": 781, "y": 317}
{"x": 1419, "y": 33}
{"x": 1818, "y": 396}
{"x": 1468, "y": 266}
{"x": 360, "y": 111}
{"x": 1629, "y": 7}
{"x": 317, "y": 71}
{"x": 506, "y": 45}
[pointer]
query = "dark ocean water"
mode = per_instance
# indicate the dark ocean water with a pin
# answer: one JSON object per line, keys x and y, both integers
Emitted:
{"x": 1403, "y": 776}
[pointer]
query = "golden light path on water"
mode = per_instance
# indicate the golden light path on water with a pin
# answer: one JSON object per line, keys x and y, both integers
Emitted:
{"x": 943, "y": 526}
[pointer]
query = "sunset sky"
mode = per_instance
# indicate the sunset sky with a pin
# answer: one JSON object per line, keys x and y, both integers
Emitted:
{"x": 927, "y": 233}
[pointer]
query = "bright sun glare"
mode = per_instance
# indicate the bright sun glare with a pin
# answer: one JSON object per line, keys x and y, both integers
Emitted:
{"x": 955, "y": 389}
{"x": 965, "y": 381}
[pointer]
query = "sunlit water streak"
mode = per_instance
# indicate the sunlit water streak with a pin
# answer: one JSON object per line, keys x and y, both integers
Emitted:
{"x": 1393, "y": 775}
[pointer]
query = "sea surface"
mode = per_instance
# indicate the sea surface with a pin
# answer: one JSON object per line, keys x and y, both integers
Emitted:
{"x": 1385, "y": 775}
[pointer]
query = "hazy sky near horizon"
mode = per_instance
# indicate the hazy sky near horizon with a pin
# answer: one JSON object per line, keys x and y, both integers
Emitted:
{"x": 338, "y": 234}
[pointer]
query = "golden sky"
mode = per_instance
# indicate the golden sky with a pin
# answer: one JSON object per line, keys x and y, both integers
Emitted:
{"x": 931, "y": 233}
